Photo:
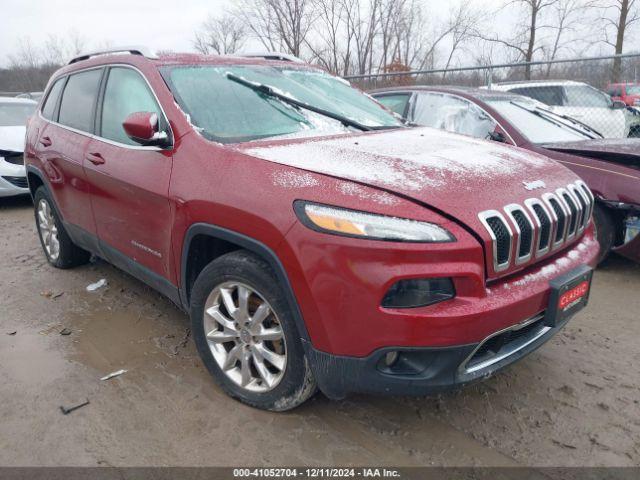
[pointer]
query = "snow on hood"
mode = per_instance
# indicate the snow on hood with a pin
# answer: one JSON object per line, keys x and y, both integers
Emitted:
{"x": 12, "y": 138}
{"x": 454, "y": 173}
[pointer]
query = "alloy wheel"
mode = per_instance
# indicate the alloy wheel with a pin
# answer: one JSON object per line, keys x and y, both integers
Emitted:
{"x": 48, "y": 230}
{"x": 245, "y": 337}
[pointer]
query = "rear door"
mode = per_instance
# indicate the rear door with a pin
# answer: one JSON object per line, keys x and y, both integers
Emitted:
{"x": 62, "y": 142}
{"x": 129, "y": 183}
{"x": 594, "y": 108}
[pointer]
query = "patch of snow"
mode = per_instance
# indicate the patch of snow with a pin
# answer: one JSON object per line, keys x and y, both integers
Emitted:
{"x": 407, "y": 158}
{"x": 562, "y": 264}
{"x": 292, "y": 179}
{"x": 355, "y": 190}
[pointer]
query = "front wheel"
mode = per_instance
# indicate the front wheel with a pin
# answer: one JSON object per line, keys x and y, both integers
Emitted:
{"x": 605, "y": 231}
{"x": 246, "y": 335}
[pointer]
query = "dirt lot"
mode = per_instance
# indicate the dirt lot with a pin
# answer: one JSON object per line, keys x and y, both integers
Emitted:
{"x": 572, "y": 403}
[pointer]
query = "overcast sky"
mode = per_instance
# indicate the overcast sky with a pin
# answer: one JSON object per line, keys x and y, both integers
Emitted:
{"x": 157, "y": 24}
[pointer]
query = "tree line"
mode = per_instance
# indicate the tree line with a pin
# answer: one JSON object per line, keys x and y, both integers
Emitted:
{"x": 360, "y": 37}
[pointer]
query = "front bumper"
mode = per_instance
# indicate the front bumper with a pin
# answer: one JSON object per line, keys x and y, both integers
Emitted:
{"x": 13, "y": 179}
{"x": 424, "y": 371}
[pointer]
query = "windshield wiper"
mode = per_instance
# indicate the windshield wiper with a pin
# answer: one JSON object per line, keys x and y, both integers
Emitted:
{"x": 270, "y": 92}
{"x": 537, "y": 112}
{"x": 573, "y": 120}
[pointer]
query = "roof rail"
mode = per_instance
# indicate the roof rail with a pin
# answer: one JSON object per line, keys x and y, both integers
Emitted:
{"x": 273, "y": 56}
{"x": 133, "y": 50}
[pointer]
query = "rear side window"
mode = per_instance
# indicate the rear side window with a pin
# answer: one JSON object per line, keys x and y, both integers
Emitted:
{"x": 551, "y": 95}
{"x": 52, "y": 99}
{"x": 126, "y": 92}
{"x": 396, "y": 103}
{"x": 78, "y": 100}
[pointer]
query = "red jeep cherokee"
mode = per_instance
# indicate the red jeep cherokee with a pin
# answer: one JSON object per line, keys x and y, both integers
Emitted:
{"x": 314, "y": 239}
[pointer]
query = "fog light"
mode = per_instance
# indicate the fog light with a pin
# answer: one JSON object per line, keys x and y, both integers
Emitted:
{"x": 390, "y": 358}
{"x": 418, "y": 292}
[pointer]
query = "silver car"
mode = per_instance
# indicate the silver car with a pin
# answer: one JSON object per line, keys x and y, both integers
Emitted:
{"x": 14, "y": 113}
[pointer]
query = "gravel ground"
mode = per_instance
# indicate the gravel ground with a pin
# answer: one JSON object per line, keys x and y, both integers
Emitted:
{"x": 574, "y": 402}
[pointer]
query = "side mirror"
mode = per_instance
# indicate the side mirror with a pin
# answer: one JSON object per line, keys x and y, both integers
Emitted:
{"x": 497, "y": 137}
{"x": 144, "y": 128}
{"x": 618, "y": 105}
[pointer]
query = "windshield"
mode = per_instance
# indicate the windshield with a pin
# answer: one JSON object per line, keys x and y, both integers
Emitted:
{"x": 535, "y": 128}
{"x": 15, "y": 114}
{"x": 633, "y": 90}
{"x": 228, "y": 112}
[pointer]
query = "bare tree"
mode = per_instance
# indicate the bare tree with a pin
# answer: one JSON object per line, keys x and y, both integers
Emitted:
{"x": 618, "y": 16}
{"x": 222, "y": 35}
{"x": 569, "y": 17}
{"x": 277, "y": 24}
{"x": 362, "y": 23}
{"x": 331, "y": 48}
{"x": 461, "y": 27}
{"x": 525, "y": 41}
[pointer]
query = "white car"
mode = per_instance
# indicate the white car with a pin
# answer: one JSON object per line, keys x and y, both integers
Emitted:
{"x": 577, "y": 100}
{"x": 14, "y": 113}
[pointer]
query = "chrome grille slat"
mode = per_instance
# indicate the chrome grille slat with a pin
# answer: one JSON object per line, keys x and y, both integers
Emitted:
{"x": 489, "y": 219}
{"x": 539, "y": 227}
{"x": 583, "y": 204}
{"x": 544, "y": 225}
{"x": 524, "y": 230}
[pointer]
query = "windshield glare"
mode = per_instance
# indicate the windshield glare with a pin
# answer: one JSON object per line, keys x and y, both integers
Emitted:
{"x": 536, "y": 129}
{"x": 15, "y": 114}
{"x": 228, "y": 112}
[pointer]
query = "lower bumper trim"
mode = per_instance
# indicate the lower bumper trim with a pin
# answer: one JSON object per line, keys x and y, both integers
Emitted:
{"x": 430, "y": 369}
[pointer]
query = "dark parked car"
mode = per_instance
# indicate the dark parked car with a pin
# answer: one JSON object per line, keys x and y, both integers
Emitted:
{"x": 611, "y": 167}
{"x": 314, "y": 239}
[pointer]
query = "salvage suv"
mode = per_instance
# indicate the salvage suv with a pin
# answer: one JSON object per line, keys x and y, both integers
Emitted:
{"x": 315, "y": 240}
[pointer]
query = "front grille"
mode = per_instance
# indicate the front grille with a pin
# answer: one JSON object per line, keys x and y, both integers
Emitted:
{"x": 526, "y": 233}
{"x": 562, "y": 219}
{"x": 20, "y": 182}
{"x": 583, "y": 208}
{"x": 573, "y": 221}
{"x": 17, "y": 158}
{"x": 544, "y": 226}
{"x": 502, "y": 239}
{"x": 502, "y": 345}
{"x": 589, "y": 196}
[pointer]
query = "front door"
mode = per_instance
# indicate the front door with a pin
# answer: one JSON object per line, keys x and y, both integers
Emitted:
{"x": 129, "y": 183}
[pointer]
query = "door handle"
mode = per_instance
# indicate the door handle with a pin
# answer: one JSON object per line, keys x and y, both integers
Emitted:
{"x": 95, "y": 158}
{"x": 45, "y": 142}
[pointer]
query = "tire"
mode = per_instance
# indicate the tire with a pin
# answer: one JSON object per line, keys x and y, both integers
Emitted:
{"x": 231, "y": 349}
{"x": 58, "y": 247}
{"x": 605, "y": 231}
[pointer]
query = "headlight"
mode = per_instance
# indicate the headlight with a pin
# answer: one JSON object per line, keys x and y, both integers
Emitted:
{"x": 352, "y": 223}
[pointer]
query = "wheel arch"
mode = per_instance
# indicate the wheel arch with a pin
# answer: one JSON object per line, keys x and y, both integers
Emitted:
{"x": 204, "y": 242}
{"x": 35, "y": 180}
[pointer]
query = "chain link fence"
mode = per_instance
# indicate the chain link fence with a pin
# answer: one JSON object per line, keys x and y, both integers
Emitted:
{"x": 582, "y": 89}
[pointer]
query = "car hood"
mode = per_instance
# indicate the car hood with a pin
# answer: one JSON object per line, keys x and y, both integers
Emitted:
{"x": 12, "y": 138}
{"x": 624, "y": 151}
{"x": 454, "y": 174}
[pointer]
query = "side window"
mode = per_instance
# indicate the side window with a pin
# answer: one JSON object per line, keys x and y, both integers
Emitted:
{"x": 126, "y": 92}
{"x": 78, "y": 99}
{"x": 551, "y": 95}
{"x": 396, "y": 103}
{"x": 452, "y": 114}
{"x": 52, "y": 99}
